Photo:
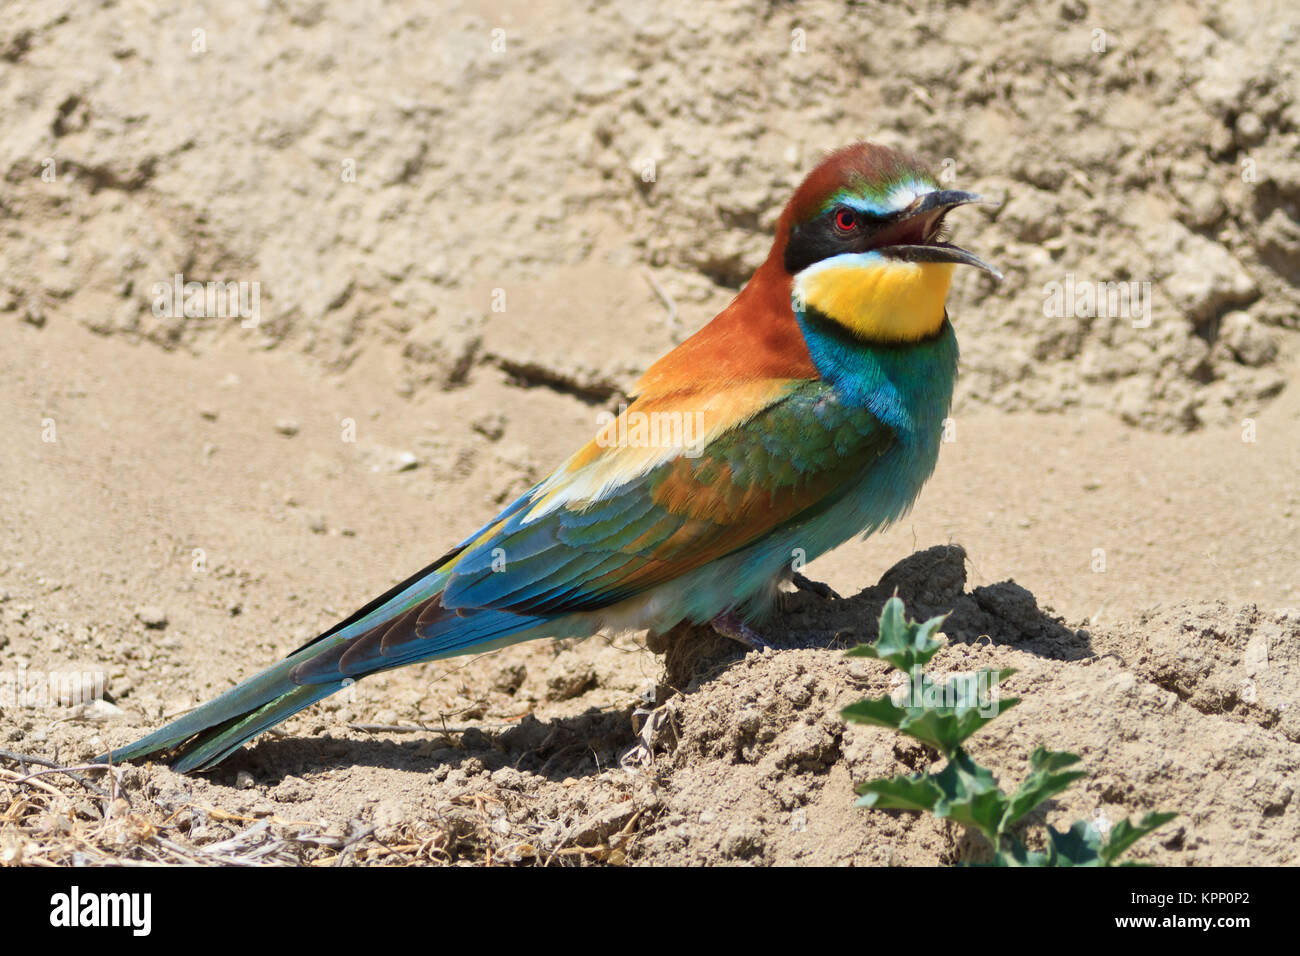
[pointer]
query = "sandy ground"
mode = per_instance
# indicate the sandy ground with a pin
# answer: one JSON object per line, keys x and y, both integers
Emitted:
{"x": 181, "y": 502}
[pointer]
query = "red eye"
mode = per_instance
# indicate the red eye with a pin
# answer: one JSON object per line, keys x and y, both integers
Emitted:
{"x": 845, "y": 220}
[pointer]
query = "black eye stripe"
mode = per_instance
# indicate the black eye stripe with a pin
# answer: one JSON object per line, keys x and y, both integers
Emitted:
{"x": 821, "y": 238}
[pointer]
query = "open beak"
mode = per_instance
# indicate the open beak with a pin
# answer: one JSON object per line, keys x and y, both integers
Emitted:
{"x": 910, "y": 237}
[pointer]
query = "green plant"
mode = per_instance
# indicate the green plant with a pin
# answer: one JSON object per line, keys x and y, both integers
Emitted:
{"x": 942, "y": 716}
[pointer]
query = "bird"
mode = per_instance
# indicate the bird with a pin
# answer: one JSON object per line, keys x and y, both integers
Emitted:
{"x": 809, "y": 411}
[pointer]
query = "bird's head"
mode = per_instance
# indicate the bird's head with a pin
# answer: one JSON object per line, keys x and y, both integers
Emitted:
{"x": 863, "y": 241}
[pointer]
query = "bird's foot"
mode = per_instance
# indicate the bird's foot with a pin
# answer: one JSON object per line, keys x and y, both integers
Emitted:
{"x": 729, "y": 624}
{"x": 813, "y": 587}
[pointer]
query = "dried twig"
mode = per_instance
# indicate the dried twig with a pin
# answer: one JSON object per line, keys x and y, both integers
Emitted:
{"x": 23, "y": 759}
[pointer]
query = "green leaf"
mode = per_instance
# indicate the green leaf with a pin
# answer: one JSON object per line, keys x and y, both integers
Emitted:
{"x": 942, "y": 716}
{"x": 1078, "y": 846}
{"x": 906, "y": 645}
{"x": 971, "y": 796}
{"x": 880, "y": 711}
{"x": 1124, "y": 834}
{"x": 918, "y": 792}
{"x": 893, "y": 628}
{"x": 945, "y": 728}
{"x": 1017, "y": 855}
{"x": 1047, "y": 777}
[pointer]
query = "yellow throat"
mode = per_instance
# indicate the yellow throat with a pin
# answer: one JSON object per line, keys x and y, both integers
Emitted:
{"x": 883, "y": 300}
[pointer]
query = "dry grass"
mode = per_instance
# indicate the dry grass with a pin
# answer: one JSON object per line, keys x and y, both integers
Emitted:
{"x": 57, "y": 815}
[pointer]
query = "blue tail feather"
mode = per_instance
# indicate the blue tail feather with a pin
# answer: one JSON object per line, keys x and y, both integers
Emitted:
{"x": 406, "y": 626}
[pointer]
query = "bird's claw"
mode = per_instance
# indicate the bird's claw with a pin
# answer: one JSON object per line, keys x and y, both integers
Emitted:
{"x": 729, "y": 624}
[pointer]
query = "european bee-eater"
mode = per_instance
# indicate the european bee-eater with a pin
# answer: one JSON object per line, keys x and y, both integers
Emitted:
{"x": 808, "y": 411}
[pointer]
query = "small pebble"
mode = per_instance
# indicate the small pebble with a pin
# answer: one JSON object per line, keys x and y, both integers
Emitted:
{"x": 150, "y": 615}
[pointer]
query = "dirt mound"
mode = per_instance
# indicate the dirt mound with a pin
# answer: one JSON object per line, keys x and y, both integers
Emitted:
{"x": 744, "y": 758}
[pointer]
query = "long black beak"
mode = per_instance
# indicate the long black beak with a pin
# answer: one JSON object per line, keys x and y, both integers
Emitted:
{"x": 939, "y": 252}
{"x": 943, "y": 199}
{"x": 938, "y": 202}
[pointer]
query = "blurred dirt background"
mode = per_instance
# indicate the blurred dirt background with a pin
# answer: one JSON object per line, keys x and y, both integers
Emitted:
{"x": 1118, "y": 515}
